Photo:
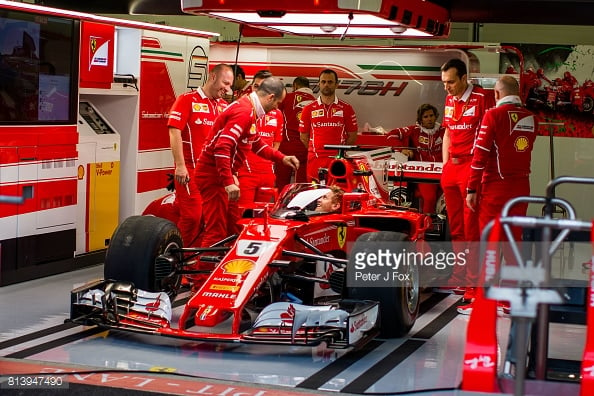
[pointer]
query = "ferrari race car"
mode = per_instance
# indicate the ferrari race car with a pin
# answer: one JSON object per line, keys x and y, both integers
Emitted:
{"x": 282, "y": 279}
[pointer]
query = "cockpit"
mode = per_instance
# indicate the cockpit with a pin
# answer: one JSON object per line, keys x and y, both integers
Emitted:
{"x": 305, "y": 200}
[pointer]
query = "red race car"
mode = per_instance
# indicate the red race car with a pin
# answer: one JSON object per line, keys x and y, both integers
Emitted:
{"x": 282, "y": 279}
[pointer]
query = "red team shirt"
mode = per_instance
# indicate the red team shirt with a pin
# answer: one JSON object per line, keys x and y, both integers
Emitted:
{"x": 504, "y": 145}
{"x": 231, "y": 138}
{"x": 292, "y": 107}
{"x": 193, "y": 113}
{"x": 463, "y": 117}
{"x": 429, "y": 142}
{"x": 327, "y": 124}
{"x": 270, "y": 129}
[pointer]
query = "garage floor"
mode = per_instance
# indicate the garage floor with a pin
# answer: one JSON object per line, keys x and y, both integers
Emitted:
{"x": 32, "y": 330}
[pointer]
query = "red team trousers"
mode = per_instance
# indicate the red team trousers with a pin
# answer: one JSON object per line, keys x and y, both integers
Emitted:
{"x": 220, "y": 215}
{"x": 464, "y": 225}
{"x": 250, "y": 184}
{"x": 284, "y": 173}
{"x": 190, "y": 210}
{"x": 495, "y": 194}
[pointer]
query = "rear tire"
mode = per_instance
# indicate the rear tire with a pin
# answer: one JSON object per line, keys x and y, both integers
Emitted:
{"x": 399, "y": 306}
{"x": 588, "y": 104}
{"x": 134, "y": 247}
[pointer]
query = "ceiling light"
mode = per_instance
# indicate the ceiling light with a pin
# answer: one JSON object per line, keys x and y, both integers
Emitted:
{"x": 398, "y": 29}
{"x": 377, "y": 18}
{"x": 328, "y": 28}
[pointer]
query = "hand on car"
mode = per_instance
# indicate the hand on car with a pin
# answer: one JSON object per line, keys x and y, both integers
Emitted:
{"x": 292, "y": 161}
{"x": 408, "y": 152}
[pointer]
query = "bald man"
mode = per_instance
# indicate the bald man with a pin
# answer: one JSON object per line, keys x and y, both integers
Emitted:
{"x": 502, "y": 154}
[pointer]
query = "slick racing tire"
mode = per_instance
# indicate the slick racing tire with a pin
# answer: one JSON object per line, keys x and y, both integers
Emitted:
{"x": 133, "y": 251}
{"x": 588, "y": 104}
{"x": 399, "y": 306}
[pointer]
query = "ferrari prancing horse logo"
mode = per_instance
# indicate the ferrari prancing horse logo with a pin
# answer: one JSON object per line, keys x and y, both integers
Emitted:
{"x": 341, "y": 233}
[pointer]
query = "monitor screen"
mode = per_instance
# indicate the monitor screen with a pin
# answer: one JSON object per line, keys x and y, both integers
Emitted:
{"x": 38, "y": 68}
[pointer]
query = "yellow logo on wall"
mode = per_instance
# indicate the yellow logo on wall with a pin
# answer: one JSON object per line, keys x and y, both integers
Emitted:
{"x": 81, "y": 172}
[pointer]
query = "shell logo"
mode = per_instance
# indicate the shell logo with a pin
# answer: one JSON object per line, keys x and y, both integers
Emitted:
{"x": 81, "y": 172}
{"x": 239, "y": 266}
{"x": 521, "y": 143}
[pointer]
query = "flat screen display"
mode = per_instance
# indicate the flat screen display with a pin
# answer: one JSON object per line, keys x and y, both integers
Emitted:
{"x": 38, "y": 68}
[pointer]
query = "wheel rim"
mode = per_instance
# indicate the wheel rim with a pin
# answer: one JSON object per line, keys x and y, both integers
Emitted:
{"x": 169, "y": 281}
{"x": 411, "y": 291}
{"x": 588, "y": 102}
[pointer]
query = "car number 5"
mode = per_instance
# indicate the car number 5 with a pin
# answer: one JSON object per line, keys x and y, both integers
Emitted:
{"x": 252, "y": 249}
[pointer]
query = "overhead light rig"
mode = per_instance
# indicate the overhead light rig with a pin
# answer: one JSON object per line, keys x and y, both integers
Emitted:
{"x": 332, "y": 18}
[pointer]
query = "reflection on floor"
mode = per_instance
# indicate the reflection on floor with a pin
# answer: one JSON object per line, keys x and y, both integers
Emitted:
{"x": 32, "y": 328}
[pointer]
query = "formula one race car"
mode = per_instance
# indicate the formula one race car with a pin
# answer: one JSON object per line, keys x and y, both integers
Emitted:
{"x": 282, "y": 279}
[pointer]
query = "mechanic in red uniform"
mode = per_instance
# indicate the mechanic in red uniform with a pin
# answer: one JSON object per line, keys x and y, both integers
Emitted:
{"x": 503, "y": 151}
{"x": 426, "y": 137}
{"x": 291, "y": 144}
{"x": 465, "y": 105}
{"x": 328, "y": 120}
{"x": 190, "y": 119}
{"x": 256, "y": 171}
{"x": 232, "y": 136}
{"x": 501, "y": 159}
{"x": 239, "y": 84}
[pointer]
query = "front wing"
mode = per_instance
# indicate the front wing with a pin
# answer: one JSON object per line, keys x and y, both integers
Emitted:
{"x": 119, "y": 305}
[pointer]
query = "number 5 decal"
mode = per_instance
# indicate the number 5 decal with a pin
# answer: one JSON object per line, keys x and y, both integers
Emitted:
{"x": 252, "y": 248}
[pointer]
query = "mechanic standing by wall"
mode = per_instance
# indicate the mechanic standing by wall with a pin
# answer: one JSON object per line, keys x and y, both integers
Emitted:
{"x": 232, "y": 136}
{"x": 501, "y": 159}
{"x": 190, "y": 119}
{"x": 328, "y": 120}
{"x": 291, "y": 144}
{"x": 256, "y": 171}
{"x": 426, "y": 138}
{"x": 465, "y": 105}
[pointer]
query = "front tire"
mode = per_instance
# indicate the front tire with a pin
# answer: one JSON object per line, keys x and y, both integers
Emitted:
{"x": 133, "y": 251}
{"x": 399, "y": 306}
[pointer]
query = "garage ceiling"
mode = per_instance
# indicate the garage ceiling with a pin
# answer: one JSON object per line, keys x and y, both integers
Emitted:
{"x": 548, "y": 12}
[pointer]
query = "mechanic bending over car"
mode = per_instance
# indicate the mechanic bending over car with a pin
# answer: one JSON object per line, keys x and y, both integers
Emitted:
{"x": 501, "y": 161}
{"x": 257, "y": 172}
{"x": 465, "y": 105}
{"x": 331, "y": 201}
{"x": 190, "y": 119}
{"x": 425, "y": 140}
{"x": 231, "y": 137}
{"x": 328, "y": 120}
